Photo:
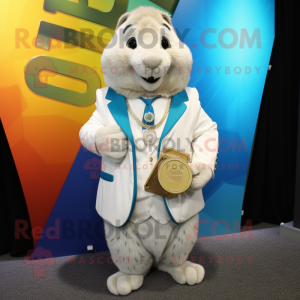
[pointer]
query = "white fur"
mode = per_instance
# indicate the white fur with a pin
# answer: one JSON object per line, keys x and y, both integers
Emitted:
{"x": 201, "y": 175}
{"x": 172, "y": 65}
{"x": 123, "y": 284}
{"x": 111, "y": 142}
{"x": 135, "y": 248}
{"x": 166, "y": 242}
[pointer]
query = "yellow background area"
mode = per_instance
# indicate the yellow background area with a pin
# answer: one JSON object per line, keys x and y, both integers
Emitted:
{"x": 43, "y": 133}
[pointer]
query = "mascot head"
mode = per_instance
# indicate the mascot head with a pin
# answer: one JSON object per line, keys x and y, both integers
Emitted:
{"x": 145, "y": 57}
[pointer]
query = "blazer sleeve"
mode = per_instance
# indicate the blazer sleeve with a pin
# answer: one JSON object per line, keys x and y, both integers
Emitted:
{"x": 88, "y": 130}
{"x": 205, "y": 139}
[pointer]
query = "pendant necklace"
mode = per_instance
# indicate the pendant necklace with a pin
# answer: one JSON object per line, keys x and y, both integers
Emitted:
{"x": 149, "y": 135}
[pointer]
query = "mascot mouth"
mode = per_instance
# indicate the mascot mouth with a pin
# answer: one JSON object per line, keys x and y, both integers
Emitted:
{"x": 151, "y": 79}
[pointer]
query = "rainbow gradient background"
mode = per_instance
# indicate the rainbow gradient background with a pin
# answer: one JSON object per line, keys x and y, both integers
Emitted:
{"x": 59, "y": 177}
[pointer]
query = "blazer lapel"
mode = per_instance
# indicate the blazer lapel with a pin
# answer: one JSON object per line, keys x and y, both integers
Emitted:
{"x": 118, "y": 109}
{"x": 177, "y": 109}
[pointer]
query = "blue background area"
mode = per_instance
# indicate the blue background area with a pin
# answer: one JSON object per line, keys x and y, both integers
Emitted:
{"x": 231, "y": 100}
{"x": 75, "y": 210}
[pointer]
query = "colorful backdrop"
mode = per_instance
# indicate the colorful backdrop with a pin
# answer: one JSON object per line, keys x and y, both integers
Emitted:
{"x": 50, "y": 59}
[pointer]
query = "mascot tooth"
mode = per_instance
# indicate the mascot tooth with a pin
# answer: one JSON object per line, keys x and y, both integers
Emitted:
{"x": 147, "y": 69}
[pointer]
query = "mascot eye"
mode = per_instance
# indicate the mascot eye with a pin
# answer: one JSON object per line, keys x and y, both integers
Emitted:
{"x": 165, "y": 43}
{"x": 131, "y": 43}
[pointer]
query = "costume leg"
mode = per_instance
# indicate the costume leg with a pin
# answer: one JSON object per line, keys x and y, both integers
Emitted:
{"x": 174, "y": 259}
{"x": 129, "y": 255}
{"x": 154, "y": 237}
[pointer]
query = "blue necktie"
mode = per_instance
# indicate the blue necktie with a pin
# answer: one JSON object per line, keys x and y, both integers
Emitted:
{"x": 148, "y": 108}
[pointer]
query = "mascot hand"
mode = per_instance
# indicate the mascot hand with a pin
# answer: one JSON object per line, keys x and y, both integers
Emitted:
{"x": 201, "y": 175}
{"x": 111, "y": 143}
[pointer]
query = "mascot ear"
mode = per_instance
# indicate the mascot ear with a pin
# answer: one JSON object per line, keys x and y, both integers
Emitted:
{"x": 166, "y": 17}
{"x": 122, "y": 19}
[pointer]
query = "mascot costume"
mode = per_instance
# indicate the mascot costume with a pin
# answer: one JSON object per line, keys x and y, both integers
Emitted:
{"x": 145, "y": 109}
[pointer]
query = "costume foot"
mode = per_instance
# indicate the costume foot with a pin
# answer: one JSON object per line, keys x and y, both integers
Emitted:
{"x": 123, "y": 284}
{"x": 188, "y": 272}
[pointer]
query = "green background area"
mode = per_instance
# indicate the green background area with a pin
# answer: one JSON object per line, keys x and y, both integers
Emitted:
{"x": 132, "y": 4}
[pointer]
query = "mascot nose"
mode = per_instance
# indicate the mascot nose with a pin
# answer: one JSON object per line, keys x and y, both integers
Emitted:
{"x": 152, "y": 61}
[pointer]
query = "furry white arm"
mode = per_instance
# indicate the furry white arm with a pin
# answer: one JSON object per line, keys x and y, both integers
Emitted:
{"x": 111, "y": 142}
{"x": 88, "y": 130}
{"x": 201, "y": 175}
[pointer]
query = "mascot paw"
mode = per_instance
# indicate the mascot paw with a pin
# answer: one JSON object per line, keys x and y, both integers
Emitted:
{"x": 123, "y": 284}
{"x": 189, "y": 273}
{"x": 111, "y": 143}
{"x": 201, "y": 175}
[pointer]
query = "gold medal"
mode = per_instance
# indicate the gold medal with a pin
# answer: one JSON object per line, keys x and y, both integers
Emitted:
{"x": 175, "y": 175}
{"x": 171, "y": 174}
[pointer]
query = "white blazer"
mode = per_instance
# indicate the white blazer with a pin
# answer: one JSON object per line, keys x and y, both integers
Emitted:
{"x": 187, "y": 128}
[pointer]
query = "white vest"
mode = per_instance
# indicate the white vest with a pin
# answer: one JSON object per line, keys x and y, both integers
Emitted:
{"x": 121, "y": 196}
